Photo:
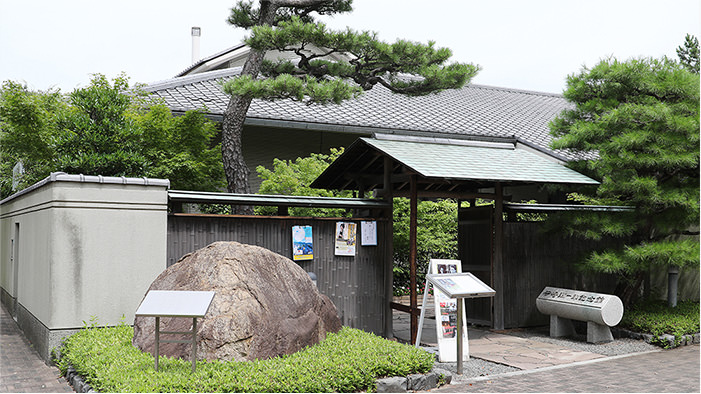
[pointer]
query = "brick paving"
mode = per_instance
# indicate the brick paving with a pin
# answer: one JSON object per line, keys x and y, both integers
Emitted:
{"x": 667, "y": 371}
{"x": 21, "y": 368}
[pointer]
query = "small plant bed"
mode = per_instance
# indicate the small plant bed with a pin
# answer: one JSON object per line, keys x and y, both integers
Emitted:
{"x": 655, "y": 318}
{"x": 348, "y": 361}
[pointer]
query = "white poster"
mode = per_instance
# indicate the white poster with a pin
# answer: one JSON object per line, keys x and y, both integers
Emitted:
{"x": 368, "y": 233}
{"x": 345, "y": 239}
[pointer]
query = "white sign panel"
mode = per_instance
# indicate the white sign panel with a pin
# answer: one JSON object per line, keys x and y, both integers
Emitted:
{"x": 461, "y": 285}
{"x": 368, "y": 233}
{"x": 173, "y": 303}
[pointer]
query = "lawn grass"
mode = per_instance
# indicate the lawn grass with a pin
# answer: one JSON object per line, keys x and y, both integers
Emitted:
{"x": 656, "y": 318}
{"x": 348, "y": 361}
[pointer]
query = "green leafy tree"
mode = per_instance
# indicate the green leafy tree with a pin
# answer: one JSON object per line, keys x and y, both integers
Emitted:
{"x": 27, "y": 128}
{"x": 436, "y": 238}
{"x": 641, "y": 117}
{"x": 689, "y": 53}
{"x": 293, "y": 177}
{"x": 288, "y": 26}
{"x": 103, "y": 129}
{"x": 96, "y": 135}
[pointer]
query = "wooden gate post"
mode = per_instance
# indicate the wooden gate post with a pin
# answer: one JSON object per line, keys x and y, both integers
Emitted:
{"x": 413, "y": 212}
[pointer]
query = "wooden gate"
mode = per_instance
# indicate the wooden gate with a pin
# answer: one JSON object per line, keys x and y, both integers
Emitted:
{"x": 475, "y": 246}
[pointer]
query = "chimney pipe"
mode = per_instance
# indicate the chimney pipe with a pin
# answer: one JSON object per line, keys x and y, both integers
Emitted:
{"x": 195, "y": 44}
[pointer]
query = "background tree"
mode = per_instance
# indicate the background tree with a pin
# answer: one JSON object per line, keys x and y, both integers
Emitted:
{"x": 293, "y": 177}
{"x": 689, "y": 53}
{"x": 103, "y": 129}
{"x": 642, "y": 118}
{"x": 288, "y": 26}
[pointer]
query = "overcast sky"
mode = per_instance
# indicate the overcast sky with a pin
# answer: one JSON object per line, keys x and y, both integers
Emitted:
{"x": 526, "y": 44}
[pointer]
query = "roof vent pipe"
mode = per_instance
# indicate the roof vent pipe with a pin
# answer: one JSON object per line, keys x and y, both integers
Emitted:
{"x": 195, "y": 44}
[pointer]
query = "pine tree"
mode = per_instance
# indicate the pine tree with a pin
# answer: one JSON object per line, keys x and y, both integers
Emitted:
{"x": 642, "y": 119}
{"x": 288, "y": 26}
{"x": 689, "y": 53}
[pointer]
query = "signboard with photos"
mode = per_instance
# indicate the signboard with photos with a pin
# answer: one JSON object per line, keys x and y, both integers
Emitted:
{"x": 447, "y": 314}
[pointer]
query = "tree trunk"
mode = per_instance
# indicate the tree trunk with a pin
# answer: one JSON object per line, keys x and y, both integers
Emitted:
{"x": 235, "y": 167}
{"x": 628, "y": 289}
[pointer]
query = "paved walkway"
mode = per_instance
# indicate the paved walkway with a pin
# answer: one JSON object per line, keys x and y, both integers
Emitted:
{"x": 21, "y": 368}
{"x": 487, "y": 345}
{"x": 547, "y": 368}
{"x": 665, "y": 371}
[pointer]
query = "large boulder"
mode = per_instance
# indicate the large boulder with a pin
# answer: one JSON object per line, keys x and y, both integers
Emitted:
{"x": 265, "y": 305}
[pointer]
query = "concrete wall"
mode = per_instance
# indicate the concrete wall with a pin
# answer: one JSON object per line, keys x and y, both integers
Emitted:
{"x": 74, "y": 246}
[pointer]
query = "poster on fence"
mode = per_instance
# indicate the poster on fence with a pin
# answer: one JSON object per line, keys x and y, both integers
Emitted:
{"x": 302, "y": 245}
{"x": 345, "y": 239}
{"x": 368, "y": 233}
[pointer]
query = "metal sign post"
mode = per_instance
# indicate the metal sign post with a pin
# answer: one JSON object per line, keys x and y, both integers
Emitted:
{"x": 165, "y": 303}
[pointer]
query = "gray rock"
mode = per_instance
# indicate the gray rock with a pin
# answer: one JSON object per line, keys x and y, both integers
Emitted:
{"x": 669, "y": 339}
{"x": 265, "y": 305}
{"x": 416, "y": 382}
{"x": 78, "y": 385}
{"x": 431, "y": 381}
{"x": 648, "y": 338}
{"x": 447, "y": 375}
{"x": 697, "y": 337}
{"x": 395, "y": 384}
{"x": 420, "y": 382}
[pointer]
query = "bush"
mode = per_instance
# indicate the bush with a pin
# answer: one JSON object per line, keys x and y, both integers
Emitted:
{"x": 348, "y": 361}
{"x": 656, "y": 318}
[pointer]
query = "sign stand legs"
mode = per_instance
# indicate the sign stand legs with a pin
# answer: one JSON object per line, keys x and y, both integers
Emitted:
{"x": 192, "y": 341}
{"x": 158, "y": 339}
{"x": 460, "y": 328}
{"x": 421, "y": 318}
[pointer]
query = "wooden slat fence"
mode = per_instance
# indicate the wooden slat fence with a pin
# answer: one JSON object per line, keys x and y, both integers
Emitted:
{"x": 356, "y": 285}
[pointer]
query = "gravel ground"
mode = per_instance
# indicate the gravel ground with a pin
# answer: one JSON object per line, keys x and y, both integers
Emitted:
{"x": 579, "y": 342}
{"x": 476, "y": 367}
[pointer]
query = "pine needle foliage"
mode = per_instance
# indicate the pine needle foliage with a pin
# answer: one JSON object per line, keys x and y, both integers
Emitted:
{"x": 641, "y": 117}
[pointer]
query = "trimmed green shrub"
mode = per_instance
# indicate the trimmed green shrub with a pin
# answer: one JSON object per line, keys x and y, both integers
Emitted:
{"x": 656, "y": 318}
{"x": 348, "y": 361}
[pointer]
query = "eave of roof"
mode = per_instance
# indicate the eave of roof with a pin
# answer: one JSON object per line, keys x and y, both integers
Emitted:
{"x": 203, "y": 61}
{"x": 273, "y": 200}
{"x": 443, "y": 164}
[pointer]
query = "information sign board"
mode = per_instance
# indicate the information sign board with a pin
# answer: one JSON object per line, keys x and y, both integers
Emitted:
{"x": 450, "y": 287}
{"x": 461, "y": 285}
{"x": 174, "y": 303}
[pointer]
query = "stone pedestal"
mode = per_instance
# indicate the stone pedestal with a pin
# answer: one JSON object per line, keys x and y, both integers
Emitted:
{"x": 597, "y": 333}
{"x": 560, "y": 327}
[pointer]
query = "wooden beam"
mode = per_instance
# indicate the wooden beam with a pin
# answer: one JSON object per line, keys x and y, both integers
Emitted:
{"x": 446, "y": 194}
{"x": 413, "y": 212}
{"x": 498, "y": 265}
{"x": 389, "y": 247}
{"x": 405, "y": 308}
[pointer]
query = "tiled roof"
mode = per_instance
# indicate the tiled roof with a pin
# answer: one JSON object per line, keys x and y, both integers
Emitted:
{"x": 474, "y": 110}
{"x": 460, "y": 162}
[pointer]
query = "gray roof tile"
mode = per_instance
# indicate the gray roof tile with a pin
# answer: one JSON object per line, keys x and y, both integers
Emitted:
{"x": 473, "y": 110}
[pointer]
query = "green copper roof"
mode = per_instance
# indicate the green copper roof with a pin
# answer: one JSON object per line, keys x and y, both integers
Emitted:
{"x": 456, "y": 161}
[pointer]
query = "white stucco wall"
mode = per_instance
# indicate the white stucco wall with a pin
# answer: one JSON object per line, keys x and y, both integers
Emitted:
{"x": 88, "y": 246}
